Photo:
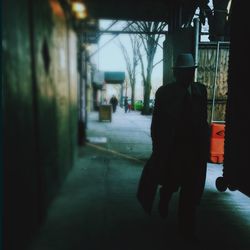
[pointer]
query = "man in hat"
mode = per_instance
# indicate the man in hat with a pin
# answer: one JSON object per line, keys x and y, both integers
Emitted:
{"x": 180, "y": 136}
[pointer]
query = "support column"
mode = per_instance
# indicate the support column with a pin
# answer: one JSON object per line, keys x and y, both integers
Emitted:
{"x": 196, "y": 43}
{"x": 82, "y": 91}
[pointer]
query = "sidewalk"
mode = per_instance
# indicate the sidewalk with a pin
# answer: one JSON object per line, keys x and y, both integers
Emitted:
{"x": 128, "y": 133}
{"x": 97, "y": 207}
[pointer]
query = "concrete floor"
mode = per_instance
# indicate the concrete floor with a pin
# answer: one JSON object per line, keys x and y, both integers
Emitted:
{"x": 97, "y": 207}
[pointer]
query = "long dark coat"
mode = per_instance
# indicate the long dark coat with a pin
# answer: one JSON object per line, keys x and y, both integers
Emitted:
{"x": 166, "y": 119}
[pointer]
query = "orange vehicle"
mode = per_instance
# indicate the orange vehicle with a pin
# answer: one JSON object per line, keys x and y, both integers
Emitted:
{"x": 217, "y": 143}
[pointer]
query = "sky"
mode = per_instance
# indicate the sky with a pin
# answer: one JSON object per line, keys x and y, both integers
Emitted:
{"x": 110, "y": 57}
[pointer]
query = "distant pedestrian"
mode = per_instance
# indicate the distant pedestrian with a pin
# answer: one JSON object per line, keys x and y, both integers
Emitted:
{"x": 105, "y": 101}
{"x": 114, "y": 102}
{"x": 126, "y": 104}
{"x": 129, "y": 107}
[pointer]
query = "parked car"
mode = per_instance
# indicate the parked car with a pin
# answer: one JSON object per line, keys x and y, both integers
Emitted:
{"x": 138, "y": 105}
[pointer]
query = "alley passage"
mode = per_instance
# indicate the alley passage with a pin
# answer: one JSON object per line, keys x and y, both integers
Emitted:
{"x": 97, "y": 207}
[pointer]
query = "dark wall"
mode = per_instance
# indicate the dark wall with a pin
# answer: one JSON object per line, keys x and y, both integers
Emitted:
{"x": 40, "y": 112}
{"x": 237, "y": 133}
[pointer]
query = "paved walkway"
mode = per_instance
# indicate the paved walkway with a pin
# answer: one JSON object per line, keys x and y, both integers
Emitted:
{"x": 97, "y": 208}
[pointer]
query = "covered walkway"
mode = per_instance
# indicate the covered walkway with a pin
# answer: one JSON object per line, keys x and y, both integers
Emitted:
{"x": 97, "y": 207}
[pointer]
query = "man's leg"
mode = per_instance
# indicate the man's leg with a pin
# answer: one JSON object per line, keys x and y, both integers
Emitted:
{"x": 166, "y": 193}
{"x": 187, "y": 208}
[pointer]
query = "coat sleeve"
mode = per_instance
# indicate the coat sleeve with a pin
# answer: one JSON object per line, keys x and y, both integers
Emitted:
{"x": 205, "y": 125}
{"x": 205, "y": 146}
{"x": 161, "y": 127}
{"x": 155, "y": 121}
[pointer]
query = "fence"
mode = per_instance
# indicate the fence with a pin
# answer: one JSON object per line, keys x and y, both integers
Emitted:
{"x": 213, "y": 72}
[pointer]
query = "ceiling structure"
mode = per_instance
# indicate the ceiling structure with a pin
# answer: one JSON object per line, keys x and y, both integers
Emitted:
{"x": 141, "y": 10}
{"x": 177, "y": 13}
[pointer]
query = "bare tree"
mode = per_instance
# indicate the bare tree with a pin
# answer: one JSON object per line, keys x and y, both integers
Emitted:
{"x": 149, "y": 32}
{"x": 132, "y": 63}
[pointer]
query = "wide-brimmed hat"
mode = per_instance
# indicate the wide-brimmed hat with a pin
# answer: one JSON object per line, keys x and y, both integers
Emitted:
{"x": 185, "y": 61}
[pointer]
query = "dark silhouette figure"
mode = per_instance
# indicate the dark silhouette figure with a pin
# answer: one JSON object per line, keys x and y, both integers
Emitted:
{"x": 180, "y": 136}
{"x": 129, "y": 107}
{"x": 113, "y": 101}
{"x": 126, "y": 104}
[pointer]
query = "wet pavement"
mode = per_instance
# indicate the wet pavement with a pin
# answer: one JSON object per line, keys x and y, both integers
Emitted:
{"x": 97, "y": 207}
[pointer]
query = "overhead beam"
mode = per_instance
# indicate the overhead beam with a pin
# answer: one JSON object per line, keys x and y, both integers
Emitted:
{"x": 114, "y": 32}
{"x": 96, "y": 51}
{"x": 118, "y": 32}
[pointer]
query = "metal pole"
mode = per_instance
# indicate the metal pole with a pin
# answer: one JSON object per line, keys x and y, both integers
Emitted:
{"x": 121, "y": 99}
{"x": 85, "y": 87}
{"x": 126, "y": 90}
{"x": 81, "y": 128}
{"x": 215, "y": 78}
{"x": 196, "y": 44}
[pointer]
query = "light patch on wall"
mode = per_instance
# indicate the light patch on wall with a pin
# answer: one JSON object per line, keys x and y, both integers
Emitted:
{"x": 229, "y": 7}
{"x": 56, "y": 8}
{"x": 62, "y": 58}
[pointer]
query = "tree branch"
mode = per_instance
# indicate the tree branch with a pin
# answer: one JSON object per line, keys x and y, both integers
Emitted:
{"x": 142, "y": 67}
{"x": 157, "y": 63}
